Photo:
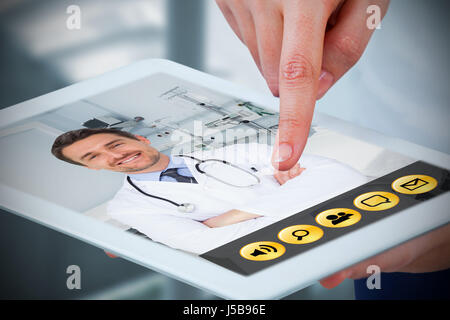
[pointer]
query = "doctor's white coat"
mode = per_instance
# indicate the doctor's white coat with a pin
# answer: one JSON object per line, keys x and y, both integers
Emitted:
{"x": 162, "y": 222}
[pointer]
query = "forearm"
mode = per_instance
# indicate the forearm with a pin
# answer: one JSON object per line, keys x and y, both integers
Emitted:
{"x": 229, "y": 217}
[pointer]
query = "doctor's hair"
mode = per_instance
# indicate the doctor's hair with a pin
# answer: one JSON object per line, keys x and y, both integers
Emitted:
{"x": 70, "y": 137}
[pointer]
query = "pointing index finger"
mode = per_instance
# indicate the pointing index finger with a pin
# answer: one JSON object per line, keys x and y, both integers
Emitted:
{"x": 300, "y": 63}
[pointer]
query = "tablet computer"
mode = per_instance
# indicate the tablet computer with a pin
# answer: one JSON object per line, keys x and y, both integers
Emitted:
{"x": 377, "y": 193}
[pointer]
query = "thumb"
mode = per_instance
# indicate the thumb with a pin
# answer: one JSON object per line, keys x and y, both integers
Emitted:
{"x": 334, "y": 280}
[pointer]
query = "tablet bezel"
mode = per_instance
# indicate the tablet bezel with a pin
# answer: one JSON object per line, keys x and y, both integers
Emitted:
{"x": 277, "y": 281}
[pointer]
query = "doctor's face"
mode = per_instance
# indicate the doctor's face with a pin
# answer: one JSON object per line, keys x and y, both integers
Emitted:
{"x": 113, "y": 152}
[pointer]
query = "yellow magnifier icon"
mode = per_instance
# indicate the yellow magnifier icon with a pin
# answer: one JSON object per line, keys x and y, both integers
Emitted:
{"x": 300, "y": 237}
{"x": 300, "y": 234}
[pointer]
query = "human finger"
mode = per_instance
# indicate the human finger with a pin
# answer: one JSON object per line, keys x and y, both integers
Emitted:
{"x": 109, "y": 254}
{"x": 334, "y": 280}
{"x": 346, "y": 41}
{"x": 245, "y": 24}
{"x": 300, "y": 62}
{"x": 229, "y": 17}
{"x": 269, "y": 30}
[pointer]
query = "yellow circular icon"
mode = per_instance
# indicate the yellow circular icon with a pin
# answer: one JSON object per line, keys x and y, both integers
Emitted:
{"x": 338, "y": 218}
{"x": 262, "y": 251}
{"x": 376, "y": 201}
{"x": 300, "y": 234}
{"x": 414, "y": 184}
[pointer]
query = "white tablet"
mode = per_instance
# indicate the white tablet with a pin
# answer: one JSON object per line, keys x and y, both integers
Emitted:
{"x": 377, "y": 193}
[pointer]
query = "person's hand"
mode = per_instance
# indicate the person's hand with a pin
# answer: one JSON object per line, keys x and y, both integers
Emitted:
{"x": 427, "y": 253}
{"x": 301, "y": 47}
{"x": 283, "y": 176}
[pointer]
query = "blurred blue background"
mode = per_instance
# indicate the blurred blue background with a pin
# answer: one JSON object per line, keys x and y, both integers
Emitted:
{"x": 400, "y": 87}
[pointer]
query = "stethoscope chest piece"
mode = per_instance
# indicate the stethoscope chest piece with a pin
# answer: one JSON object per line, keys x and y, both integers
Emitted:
{"x": 186, "y": 207}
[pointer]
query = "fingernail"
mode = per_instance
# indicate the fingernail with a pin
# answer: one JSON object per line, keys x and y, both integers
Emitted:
{"x": 284, "y": 152}
{"x": 325, "y": 82}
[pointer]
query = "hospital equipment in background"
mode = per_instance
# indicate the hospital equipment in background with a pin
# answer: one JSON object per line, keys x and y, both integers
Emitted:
{"x": 208, "y": 126}
{"x": 112, "y": 123}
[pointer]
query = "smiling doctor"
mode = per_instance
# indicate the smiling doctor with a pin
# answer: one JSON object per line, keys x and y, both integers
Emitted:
{"x": 200, "y": 201}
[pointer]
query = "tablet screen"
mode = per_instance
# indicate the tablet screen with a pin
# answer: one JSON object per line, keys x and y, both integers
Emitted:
{"x": 190, "y": 168}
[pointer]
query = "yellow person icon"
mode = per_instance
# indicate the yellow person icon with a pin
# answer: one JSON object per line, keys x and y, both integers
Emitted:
{"x": 414, "y": 184}
{"x": 262, "y": 251}
{"x": 376, "y": 201}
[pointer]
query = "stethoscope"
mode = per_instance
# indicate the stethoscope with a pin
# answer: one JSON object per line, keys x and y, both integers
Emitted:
{"x": 190, "y": 207}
